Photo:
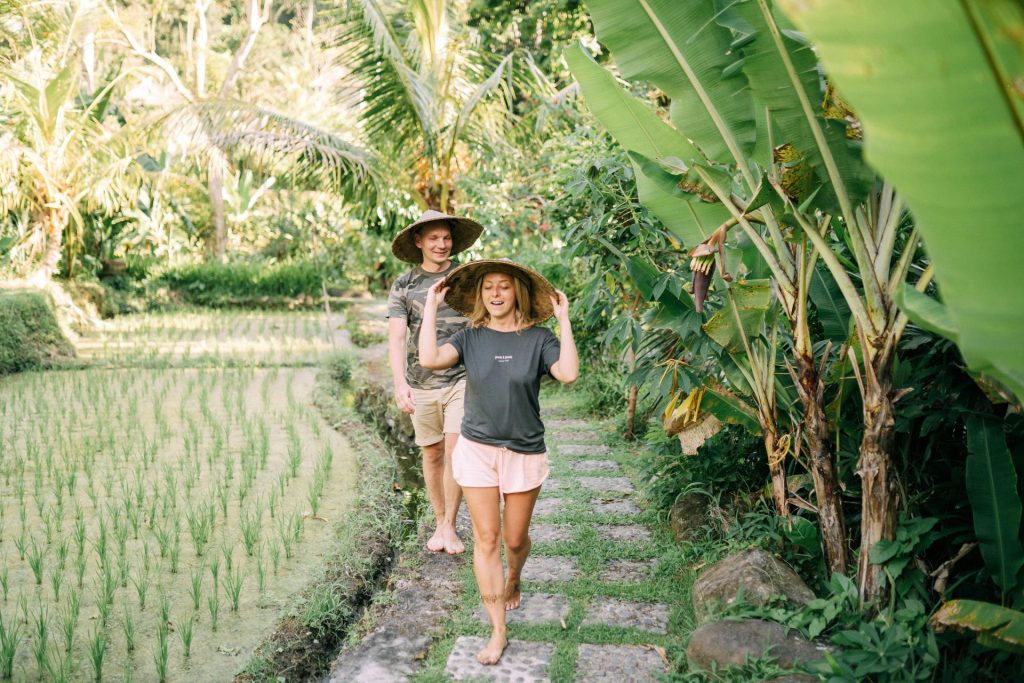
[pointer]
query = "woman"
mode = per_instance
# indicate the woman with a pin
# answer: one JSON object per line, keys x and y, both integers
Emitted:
{"x": 500, "y": 453}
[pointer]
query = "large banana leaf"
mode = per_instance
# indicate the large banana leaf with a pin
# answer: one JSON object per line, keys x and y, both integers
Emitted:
{"x": 992, "y": 491}
{"x": 742, "y": 315}
{"x": 766, "y": 55}
{"x": 636, "y": 128}
{"x": 678, "y": 46}
{"x": 935, "y": 86}
{"x": 996, "y": 626}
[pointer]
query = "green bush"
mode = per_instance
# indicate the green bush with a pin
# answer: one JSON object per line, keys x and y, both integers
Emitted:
{"x": 215, "y": 284}
{"x": 29, "y": 335}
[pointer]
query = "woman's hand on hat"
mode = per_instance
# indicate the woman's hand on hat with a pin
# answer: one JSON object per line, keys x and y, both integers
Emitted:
{"x": 560, "y": 303}
{"x": 436, "y": 293}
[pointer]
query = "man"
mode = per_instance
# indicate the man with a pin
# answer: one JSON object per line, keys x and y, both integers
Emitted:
{"x": 434, "y": 399}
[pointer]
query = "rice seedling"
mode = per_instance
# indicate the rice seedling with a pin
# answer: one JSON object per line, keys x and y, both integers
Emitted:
{"x": 69, "y": 620}
{"x": 294, "y": 450}
{"x": 213, "y": 604}
{"x": 275, "y": 556}
{"x": 62, "y": 555}
{"x": 36, "y": 561}
{"x": 80, "y": 565}
{"x": 97, "y": 650}
{"x": 215, "y": 571}
{"x": 21, "y": 541}
{"x": 233, "y": 580}
{"x": 141, "y": 583}
{"x": 56, "y": 581}
{"x": 128, "y": 628}
{"x": 195, "y": 590}
{"x": 175, "y": 554}
{"x": 5, "y": 581}
{"x": 41, "y": 635}
{"x": 251, "y": 525}
{"x": 261, "y": 573}
{"x": 165, "y": 607}
{"x": 185, "y": 627}
{"x": 10, "y": 638}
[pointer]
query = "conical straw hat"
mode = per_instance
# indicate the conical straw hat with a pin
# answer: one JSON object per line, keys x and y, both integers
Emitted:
{"x": 464, "y": 233}
{"x": 462, "y": 286}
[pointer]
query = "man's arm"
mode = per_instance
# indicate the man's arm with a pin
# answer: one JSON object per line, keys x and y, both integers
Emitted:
{"x": 432, "y": 357}
{"x": 397, "y": 328}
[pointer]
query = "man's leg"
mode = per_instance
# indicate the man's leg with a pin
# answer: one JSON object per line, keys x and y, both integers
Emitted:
{"x": 518, "y": 511}
{"x": 452, "y": 499}
{"x": 433, "y": 479}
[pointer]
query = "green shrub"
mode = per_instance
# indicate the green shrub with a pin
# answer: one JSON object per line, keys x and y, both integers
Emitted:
{"x": 215, "y": 284}
{"x": 29, "y": 334}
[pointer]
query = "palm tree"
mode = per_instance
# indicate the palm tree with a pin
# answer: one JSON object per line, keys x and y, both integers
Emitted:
{"x": 57, "y": 158}
{"x": 426, "y": 95}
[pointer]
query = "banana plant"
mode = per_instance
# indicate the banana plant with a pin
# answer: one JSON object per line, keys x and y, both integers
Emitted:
{"x": 964, "y": 60}
{"x": 748, "y": 133}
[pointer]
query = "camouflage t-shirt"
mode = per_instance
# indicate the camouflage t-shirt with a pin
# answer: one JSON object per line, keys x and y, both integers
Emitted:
{"x": 406, "y": 300}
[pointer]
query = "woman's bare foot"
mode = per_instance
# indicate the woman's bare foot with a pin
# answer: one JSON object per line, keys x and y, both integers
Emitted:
{"x": 452, "y": 543}
{"x": 493, "y": 649}
{"x": 512, "y": 595}
{"x": 436, "y": 542}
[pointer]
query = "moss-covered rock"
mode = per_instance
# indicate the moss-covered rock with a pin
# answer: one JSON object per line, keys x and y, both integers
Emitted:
{"x": 29, "y": 334}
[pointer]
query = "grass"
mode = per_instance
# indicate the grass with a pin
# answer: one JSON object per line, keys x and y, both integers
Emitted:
{"x": 30, "y": 337}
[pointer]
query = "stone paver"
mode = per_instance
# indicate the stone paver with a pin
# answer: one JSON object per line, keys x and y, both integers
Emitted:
{"x": 627, "y": 571}
{"x": 618, "y": 484}
{"x": 536, "y": 608}
{"x": 583, "y": 449}
{"x": 577, "y": 437}
{"x": 623, "y": 532}
{"x": 568, "y": 423}
{"x": 595, "y": 466}
{"x": 553, "y": 485}
{"x": 551, "y": 533}
{"x": 616, "y": 663}
{"x": 523, "y": 662}
{"x": 542, "y": 568}
{"x": 383, "y": 658}
{"x": 614, "y": 507}
{"x": 645, "y": 616}
{"x": 548, "y": 506}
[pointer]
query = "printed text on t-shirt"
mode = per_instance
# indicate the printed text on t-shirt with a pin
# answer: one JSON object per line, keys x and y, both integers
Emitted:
{"x": 503, "y": 359}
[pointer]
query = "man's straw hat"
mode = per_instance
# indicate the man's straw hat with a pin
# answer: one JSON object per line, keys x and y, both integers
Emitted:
{"x": 462, "y": 286}
{"x": 464, "y": 233}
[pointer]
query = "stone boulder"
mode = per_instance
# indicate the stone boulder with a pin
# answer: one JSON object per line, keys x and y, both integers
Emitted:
{"x": 688, "y": 515}
{"x": 732, "y": 643}
{"x": 760, "y": 575}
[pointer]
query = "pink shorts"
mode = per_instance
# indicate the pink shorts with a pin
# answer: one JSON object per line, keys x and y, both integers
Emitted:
{"x": 479, "y": 465}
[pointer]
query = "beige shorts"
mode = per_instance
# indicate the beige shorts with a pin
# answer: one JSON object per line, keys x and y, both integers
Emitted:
{"x": 438, "y": 412}
{"x": 478, "y": 464}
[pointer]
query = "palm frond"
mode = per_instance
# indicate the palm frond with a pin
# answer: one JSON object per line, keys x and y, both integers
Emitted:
{"x": 274, "y": 144}
{"x": 384, "y": 84}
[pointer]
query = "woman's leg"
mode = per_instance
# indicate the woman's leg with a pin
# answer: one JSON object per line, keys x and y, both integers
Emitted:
{"x": 518, "y": 511}
{"x": 490, "y": 578}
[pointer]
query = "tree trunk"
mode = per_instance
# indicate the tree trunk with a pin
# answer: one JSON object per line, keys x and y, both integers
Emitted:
{"x": 878, "y": 502}
{"x": 780, "y": 494}
{"x": 53, "y": 220}
{"x": 218, "y": 238}
{"x": 822, "y": 465}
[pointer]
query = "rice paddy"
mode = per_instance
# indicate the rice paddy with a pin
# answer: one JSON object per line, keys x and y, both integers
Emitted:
{"x": 160, "y": 505}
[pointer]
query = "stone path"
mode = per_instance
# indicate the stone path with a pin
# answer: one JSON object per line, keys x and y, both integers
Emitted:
{"x": 593, "y": 609}
{"x": 566, "y": 597}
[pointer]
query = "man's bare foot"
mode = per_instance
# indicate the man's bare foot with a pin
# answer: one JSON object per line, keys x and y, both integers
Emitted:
{"x": 436, "y": 542}
{"x": 512, "y": 595}
{"x": 452, "y": 543}
{"x": 493, "y": 650}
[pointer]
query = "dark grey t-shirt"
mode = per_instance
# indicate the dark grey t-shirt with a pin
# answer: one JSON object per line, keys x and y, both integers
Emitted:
{"x": 503, "y": 372}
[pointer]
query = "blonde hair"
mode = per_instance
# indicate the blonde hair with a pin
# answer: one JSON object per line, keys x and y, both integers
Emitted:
{"x": 523, "y": 313}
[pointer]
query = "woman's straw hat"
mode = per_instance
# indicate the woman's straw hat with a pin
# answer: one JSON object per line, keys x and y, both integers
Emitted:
{"x": 462, "y": 286}
{"x": 464, "y": 233}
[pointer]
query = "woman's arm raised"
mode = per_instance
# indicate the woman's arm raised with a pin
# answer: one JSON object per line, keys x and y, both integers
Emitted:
{"x": 431, "y": 357}
{"x": 567, "y": 368}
